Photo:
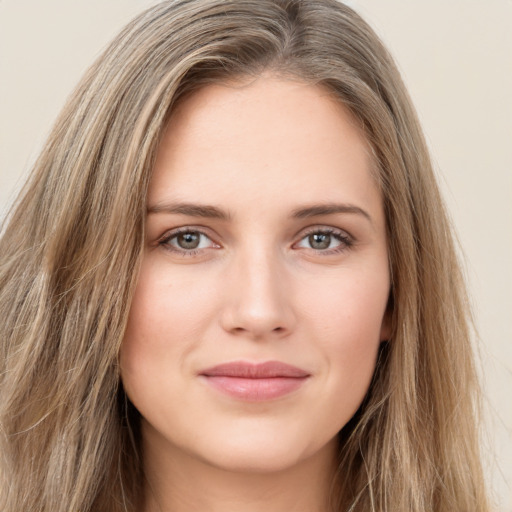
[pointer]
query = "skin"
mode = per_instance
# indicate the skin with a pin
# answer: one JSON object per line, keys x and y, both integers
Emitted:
{"x": 258, "y": 287}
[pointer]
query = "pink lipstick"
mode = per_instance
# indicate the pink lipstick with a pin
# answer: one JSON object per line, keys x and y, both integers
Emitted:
{"x": 255, "y": 382}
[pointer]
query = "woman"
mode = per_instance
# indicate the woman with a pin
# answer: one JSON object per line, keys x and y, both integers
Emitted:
{"x": 231, "y": 284}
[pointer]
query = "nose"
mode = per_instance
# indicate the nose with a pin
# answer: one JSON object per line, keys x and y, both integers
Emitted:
{"x": 258, "y": 301}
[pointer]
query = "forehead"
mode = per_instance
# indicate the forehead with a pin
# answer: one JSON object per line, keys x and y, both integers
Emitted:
{"x": 270, "y": 136}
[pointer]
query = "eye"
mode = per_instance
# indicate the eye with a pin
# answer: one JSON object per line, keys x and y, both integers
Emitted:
{"x": 187, "y": 241}
{"x": 326, "y": 240}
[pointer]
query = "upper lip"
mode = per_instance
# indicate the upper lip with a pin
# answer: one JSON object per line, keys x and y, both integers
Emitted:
{"x": 247, "y": 370}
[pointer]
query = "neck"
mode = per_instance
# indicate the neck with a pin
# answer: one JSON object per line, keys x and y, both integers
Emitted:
{"x": 178, "y": 482}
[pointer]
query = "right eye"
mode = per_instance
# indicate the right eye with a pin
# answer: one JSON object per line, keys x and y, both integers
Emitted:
{"x": 187, "y": 241}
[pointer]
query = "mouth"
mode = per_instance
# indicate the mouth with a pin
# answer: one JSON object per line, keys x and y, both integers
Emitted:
{"x": 255, "y": 382}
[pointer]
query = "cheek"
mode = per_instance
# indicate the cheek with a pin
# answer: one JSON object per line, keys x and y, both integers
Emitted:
{"x": 167, "y": 306}
{"x": 348, "y": 312}
{"x": 161, "y": 322}
{"x": 171, "y": 314}
{"x": 347, "y": 323}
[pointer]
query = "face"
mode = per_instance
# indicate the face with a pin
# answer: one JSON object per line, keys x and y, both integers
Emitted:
{"x": 260, "y": 305}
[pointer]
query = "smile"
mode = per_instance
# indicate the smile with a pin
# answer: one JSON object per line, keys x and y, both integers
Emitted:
{"x": 255, "y": 382}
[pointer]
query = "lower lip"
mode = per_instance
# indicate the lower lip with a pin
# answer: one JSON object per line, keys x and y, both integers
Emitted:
{"x": 255, "y": 390}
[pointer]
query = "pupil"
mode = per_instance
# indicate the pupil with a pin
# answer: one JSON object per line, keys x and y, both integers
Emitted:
{"x": 320, "y": 241}
{"x": 188, "y": 240}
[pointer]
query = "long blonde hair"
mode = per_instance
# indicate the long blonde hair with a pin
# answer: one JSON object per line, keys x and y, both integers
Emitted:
{"x": 72, "y": 245}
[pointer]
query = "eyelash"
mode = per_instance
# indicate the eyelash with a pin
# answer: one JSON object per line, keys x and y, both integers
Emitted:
{"x": 166, "y": 239}
{"x": 346, "y": 241}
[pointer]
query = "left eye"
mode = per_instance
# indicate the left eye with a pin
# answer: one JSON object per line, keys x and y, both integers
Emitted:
{"x": 324, "y": 240}
{"x": 188, "y": 241}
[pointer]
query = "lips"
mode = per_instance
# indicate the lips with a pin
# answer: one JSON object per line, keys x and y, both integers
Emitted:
{"x": 255, "y": 382}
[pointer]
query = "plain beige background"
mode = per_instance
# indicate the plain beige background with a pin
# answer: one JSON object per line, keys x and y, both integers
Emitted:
{"x": 456, "y": 58}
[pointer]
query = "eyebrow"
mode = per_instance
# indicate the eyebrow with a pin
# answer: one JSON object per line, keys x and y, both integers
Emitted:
{"x": 190, "y": 209}
{"x": 317, "y": 210}
{"x": 214, "y": 212}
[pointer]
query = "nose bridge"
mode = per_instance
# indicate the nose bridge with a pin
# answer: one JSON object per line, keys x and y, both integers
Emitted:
{"x": 259, "y": 304}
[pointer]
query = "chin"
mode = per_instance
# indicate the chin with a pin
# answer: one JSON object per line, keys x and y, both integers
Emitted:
{"x": 259, "y": 453}
{"x": 252, "y": 459}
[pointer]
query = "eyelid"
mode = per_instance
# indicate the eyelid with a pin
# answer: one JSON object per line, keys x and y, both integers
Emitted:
{"x": 323, "y": 228}
{"x": 163, "y": 241}
{"x": 345, "y": 238}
